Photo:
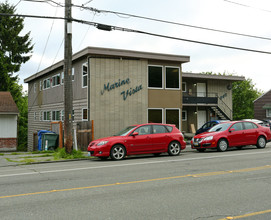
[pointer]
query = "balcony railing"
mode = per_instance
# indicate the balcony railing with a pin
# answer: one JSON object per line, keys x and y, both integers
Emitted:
{"x": 200, "y": 98}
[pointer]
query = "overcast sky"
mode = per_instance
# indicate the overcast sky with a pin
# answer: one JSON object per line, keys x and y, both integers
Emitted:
{"x": 214, "y": 14}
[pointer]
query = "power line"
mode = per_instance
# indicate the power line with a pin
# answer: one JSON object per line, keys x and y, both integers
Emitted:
{"x": 109, "y": 28}
{"x": 248, "y": 6}
{"x": 171, "y": 22}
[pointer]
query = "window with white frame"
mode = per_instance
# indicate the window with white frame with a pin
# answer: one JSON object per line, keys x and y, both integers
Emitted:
{"x": 56, "y": 80}
{"x": 46, "y": 83}
{"x": 173, "y": 117}
{"x": 84, "y": 75}
{"x": 73, "y": 74}
{"x": 268, "y": 112}
{"x": 155, "y": 77}
{"x": 84, "y": 114}
{"x": 40, "y": 114}
{"x": 184, "y": 86}
{"x": 155, "y": 115}
{"x": 56, "y": 115}
{"x": 46, "y": 116}
{"x": 184, "y": 115}
{"x": 62, "y": 115}
{"x": 62, "y": 78}
{"x": 40, "y": 85}
{"x": 35, "y": 116}
{"x": 172, "y": 78}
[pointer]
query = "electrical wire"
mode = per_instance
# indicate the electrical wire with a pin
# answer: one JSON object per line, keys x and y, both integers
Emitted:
{"x": 248, "y": 6}
{"x": 171, "y": 22}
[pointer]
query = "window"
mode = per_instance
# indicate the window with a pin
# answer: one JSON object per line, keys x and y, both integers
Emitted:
{"x": 62, "y": 78}
{"x": 84, "y": 75}
{"x": 40, "y": 85}
{"x": 237, "y": 126}
{"x": 173, "y": 117}
{"x": 184, "y": 86}
{"x": 268, "y": 112}
{"x": 84, "y": 114}
{"x": 143, "y": 130}
{"x": 62, "y": 115}
{"x": 155, "y": 115}
{"x": 155, "y": 77}
{"x": 35, "y": 87}
{"x": 249, "y": 125}
{"x": 184, "y": 115}
{"x": 56, "y": 80}
{"x": 55, "y": 115}
{"x": 172, "y": 78}
{"x": 46, "y": 83}
{"x": 46, "y": 116}
{"x": 73, "y": 74}
{"x": 35, "y": 116}
{"x": 158, "y": 129}
{"x": 40, "y": 116}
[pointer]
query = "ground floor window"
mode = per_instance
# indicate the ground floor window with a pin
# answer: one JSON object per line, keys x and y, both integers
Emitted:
{"x": 184, "y": 115}
{"x": 84, "y": 114}
{"x": 155, "y": 115}
{"x": 168, "y": 116}
{"x": 268, "y": 112}
{"x": 173, "y": 117}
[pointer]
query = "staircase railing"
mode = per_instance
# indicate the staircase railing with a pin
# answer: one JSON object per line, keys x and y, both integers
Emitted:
{"x": 225, "y": 108}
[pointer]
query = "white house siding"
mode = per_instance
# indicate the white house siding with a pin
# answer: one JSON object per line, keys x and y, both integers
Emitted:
{"x": 8, "y": 128}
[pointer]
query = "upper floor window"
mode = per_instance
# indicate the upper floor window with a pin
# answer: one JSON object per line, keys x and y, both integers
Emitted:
{"x": 40, "y": 85}
{"x": 62, "y": 77}
{"x": 84, "y": 75}
{"x": 46, "y": 116}
{"x": 56, "y": 80}
{"x": 46, "y": 83}
{"x": 155, "y": 77}
{"x": 73, "y": 74}
{"x": 268, "y": 112}
{"x": 172, "y": 78}
{"x": 56, "y": 115}
{"x": 35, "y": 87}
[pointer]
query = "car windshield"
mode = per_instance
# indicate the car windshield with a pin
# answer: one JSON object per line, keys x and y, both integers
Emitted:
{"x": 125, "y": 131}
{"x": 220, "y": 127}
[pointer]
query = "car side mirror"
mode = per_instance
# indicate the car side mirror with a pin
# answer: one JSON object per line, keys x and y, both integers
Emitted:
{"x": 232, "y": 129}
{"x": 135, "y": 134}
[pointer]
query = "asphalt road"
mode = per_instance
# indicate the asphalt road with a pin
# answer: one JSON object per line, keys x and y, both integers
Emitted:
{"x": 210, "y": 185}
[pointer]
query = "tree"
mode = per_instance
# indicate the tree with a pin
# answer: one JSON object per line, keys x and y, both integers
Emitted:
{"x": 15, "y": 50}
{"x": 243, "y": 95}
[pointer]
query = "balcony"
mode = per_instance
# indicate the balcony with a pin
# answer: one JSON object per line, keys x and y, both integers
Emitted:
{"x": 200, "y": 98}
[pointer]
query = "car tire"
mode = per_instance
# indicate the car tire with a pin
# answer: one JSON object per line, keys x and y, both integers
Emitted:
{"x": 174, "y": 148}
{"x": 261, "y": 142}
{"x": 118, "y": 152}
{"x": 222, "y": 145}
{"x": 201, "y": 150}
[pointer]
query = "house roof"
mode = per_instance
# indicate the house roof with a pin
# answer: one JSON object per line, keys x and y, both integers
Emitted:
{"x": 7, "y": 104}
{"x": 209, "y": 76}
{"x": 109, "y": 52}
{"x": 262, "y": 95}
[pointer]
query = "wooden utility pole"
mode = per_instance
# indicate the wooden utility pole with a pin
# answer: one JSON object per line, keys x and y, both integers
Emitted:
{"x": 68, "y": 92}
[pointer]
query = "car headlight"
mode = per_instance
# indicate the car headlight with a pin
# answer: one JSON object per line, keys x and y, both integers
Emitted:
{"x": 102, "y": 143}
{"x": 209, "y": 138}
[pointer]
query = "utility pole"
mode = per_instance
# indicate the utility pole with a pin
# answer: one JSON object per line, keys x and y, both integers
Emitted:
{"x": 68, "y": 92}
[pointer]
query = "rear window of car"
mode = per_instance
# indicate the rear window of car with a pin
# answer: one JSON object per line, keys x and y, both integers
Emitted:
{"x": 158, "y": 129}
{"x": 249, "y": 125}
{"x": 169, "y": 128}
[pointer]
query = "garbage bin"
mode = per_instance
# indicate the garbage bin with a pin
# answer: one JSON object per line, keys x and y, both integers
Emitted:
{"x": 40, "y": 133}
{"x": 49, "y": 141}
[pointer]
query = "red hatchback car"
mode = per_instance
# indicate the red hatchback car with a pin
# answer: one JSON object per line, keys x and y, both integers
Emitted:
{"x": 232, "y": 134}
{"x": 139, "y": 139}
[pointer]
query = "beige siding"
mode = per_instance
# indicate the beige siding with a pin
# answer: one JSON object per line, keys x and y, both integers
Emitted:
{"x": 109, "y": 110}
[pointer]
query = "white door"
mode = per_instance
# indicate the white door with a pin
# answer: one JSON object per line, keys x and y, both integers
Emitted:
{"x": 201, "y": 118}
{"x": 201, "y": 89}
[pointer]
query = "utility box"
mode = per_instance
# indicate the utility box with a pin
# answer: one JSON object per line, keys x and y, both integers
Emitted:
{"x": 49, "y": 141}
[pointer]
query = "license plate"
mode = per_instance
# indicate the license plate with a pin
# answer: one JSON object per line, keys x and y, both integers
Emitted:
{"x": 196, "y": 144}
{"x": 89, "y": 154}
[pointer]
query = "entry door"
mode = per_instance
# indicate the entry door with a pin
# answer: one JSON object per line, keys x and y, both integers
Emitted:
{"x": 201, "y": 89}
{"x": 201, "y": 118}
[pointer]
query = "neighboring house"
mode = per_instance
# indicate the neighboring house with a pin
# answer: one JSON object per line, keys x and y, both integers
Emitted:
{"x": 262, "y": 106}
{"x": 205, "y": 98}
{"x": 116, "y": 88}
{"x": 8, "y": 122}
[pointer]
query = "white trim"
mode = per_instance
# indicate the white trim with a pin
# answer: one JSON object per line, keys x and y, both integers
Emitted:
{"x": 55, "y": 76}
{"x": 165, "y": 76}
{"x": 185, "y": 115}
{"x": 179, "y": 110}
{"x": 185, "y": 87}
{"x": 155, "y": 109}
{"x": 83, "y": 114}
{"x": 46, "y": 83}
{"x": 85, "y": 75}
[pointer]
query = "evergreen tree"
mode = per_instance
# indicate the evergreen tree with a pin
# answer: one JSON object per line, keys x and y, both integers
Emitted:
{"x": 15, "y": 50}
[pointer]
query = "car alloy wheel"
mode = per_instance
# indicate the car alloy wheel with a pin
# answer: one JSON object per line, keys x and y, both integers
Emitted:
{"x": 261, "y": 142}
{"x": 174, "y": 148}
{"x": 222, "y": 145}
{"x": 117, "y": 152}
